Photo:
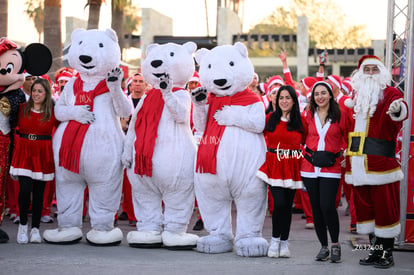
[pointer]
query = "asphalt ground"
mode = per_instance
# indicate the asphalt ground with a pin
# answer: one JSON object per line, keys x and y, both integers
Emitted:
{"x": 82, "y": 258}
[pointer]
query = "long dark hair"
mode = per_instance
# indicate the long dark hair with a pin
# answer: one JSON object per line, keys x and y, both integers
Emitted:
{"x": 47, "y": 106}
{"x": 295, "y": 122}
{"x": 334, "y": 112}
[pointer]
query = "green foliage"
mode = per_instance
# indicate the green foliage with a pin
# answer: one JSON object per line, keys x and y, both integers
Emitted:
{"x": 35, "y": 12}
{"x": 131, "y": 21}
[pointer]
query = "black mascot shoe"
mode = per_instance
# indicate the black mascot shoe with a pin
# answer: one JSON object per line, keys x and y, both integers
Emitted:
{"x": 372, "y": 259}
{"x": 4, "y": 238}
{"x": 386, "y": 261}
{"x": 199, "y": 225}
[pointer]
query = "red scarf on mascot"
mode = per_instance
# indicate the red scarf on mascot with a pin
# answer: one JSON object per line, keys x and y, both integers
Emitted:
{"x": 146, "y": 128}
{"x": 74, "y": 134}
{"x": 207, "y": 150}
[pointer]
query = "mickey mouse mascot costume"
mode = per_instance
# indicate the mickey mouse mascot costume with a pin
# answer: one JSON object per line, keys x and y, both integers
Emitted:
{"x": 36, "y": 59}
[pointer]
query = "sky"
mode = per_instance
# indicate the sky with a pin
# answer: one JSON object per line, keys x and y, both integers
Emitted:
{"x": 189, "y": 16}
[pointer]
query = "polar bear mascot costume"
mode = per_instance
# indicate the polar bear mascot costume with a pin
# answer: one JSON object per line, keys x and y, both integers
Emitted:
{"x": 231, "y": 151}
{"x": 159, "y": 151}
{"x": 88, "y": 143}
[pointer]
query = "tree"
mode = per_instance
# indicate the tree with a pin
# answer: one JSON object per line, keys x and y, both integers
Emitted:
{"x": 34, "y": 9}
{"x": 94, "y": 13}
{"x": 53, "y": 32}
{"x": 124, "y": 19}
{"x": 3, "y": 18}
{"x": 327, "y": 26}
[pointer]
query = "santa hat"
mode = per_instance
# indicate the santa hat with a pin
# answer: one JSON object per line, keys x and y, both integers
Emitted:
{"x": 369, "y": 60}
{"x": 26, "y": 74}
{"x": 6, "y": 45}
{"x": 64, "y": 75}
{"x": 346, "y": 86}
{"x": 195, "y": 77}
{"x": 347, "y": 79}
{"x": 129, "y": 81}
{"x": 324, "y": 83}
{"x": 262, "y": 88}
{"x": 276, "y": 79}
{"x": 336, "y": 80}
{"x": 308, "y": 82}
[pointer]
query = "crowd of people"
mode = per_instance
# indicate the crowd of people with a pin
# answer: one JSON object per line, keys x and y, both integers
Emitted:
{"x": 325, "y": 136}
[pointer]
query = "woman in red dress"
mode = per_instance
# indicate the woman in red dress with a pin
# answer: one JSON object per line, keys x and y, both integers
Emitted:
{"x": 32, "y": 161}
{"x": 284, "y": 133}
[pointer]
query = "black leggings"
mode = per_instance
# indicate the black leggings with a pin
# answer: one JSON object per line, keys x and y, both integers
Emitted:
{"x": 282, "y": 211}
{"x": 27, "y": 185}
{"x": 322, "y": 195}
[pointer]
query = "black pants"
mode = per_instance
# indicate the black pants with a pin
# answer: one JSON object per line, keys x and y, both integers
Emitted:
{"x": 322, "y": 196}
{"x": 282, "y": 211}
{"x": 27, "y": 186}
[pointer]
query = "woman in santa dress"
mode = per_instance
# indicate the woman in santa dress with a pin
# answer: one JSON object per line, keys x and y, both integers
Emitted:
{"x": 284, "y": 133}
{"x": 32, "y": 161}
{"x": 326, "y": 134}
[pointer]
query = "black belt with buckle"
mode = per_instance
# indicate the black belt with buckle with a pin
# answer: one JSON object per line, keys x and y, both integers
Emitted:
{"x": 374, "y": 146}
{"x": 35, "y": 137}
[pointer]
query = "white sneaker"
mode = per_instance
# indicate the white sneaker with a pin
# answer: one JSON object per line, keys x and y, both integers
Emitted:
{"x": 274, "y": 247}
{"x": 16, "y": 220}
{"x": 35, "y": 236}
{"x": 46, "y": 219}
{"x": 22, "y": 237}
{"x": 284, "y": 249}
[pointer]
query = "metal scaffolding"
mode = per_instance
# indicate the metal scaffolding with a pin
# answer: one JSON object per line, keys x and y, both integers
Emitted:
{"x": 399, "y": 55}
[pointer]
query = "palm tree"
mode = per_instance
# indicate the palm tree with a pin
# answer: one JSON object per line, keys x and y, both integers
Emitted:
{"x": 117, "y": 23}
{"x": 3, "y": 17}
{"x": 53, "y": 32}
{"x": 94, "y": 13}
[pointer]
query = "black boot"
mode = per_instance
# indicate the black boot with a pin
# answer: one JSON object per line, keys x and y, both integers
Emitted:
{"x": 375, "y": 252}
{"x": 4, "y": 238}
{"x": 386, "y": 260}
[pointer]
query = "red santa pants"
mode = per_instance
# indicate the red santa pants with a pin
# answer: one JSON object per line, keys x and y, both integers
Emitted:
{"x": 378, "y": 205}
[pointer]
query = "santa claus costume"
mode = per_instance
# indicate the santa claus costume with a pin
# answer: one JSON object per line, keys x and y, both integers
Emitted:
{"x": 374, "y": 171}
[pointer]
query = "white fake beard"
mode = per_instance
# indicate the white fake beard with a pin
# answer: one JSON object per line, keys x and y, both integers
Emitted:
{"x": 369, "y": 92}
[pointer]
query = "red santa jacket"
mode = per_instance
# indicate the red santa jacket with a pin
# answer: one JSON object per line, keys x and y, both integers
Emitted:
{"x": 331, "y": 137}
{"x": 369, "y": 169}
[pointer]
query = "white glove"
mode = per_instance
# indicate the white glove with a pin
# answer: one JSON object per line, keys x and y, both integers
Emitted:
{"x": 395, "y": 106}
{"x": 165, "y": 84}
{"x": 126, "y": 159}
{"x": 83, "y": 115}
{"x": 226, "y": 116}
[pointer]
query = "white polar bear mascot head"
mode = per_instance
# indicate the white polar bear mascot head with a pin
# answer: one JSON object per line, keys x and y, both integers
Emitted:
{"x": 88, "y": 53}
{"x": 225, "y": 70}
{"x": 170, "y": 59}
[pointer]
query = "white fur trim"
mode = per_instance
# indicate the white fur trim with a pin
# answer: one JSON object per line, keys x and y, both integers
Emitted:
{"x": 289, "y": 183}
{"x": 334, "y": 81}
{"x": 28, "y": 173}
{"x": 317, "y": 174}
{"x": 276, "y": 81}
{"x": 388, "y": 232}
{"x": 360, "y": 176}
{"x": 349, "y": 103}
{"x": 403, "y": 113}
{"x": 286, "y": 70}
{"x": 319, "y": 75}
{"x": 366, "y": 227}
